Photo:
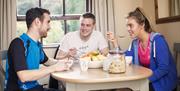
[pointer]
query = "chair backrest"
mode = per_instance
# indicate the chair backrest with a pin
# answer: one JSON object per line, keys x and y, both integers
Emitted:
{"x": 3, "y": 55}
{"x": 55, "y": 54}
{"x": 176, "y": 51}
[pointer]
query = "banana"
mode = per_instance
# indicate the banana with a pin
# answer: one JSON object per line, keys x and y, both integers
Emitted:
{"x": 95, "y": 56}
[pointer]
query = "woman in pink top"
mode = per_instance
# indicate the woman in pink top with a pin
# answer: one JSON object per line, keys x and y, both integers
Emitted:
{"x": 150, "y": 49}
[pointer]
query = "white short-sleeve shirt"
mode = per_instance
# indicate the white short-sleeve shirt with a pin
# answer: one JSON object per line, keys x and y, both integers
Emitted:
{"x": 72, "y": 40}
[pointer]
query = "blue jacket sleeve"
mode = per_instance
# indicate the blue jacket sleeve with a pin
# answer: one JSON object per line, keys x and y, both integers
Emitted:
{"x": 130, "y": 52}
{"x": 162, "y": 61}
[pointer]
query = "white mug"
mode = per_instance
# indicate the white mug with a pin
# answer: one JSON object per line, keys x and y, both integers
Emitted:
{"x": 128, "y": 60}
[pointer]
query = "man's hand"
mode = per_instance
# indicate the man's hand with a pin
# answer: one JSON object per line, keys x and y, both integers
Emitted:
{"x": 72, "y": 52}
{"x": 61, "y": 65}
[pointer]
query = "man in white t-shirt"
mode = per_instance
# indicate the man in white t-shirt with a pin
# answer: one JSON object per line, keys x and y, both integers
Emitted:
{"x": 84, "y": 40}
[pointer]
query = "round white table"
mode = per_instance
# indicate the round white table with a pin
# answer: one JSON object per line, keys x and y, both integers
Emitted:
{"x": 135, "y": 78}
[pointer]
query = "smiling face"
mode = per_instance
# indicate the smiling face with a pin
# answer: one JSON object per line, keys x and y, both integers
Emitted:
{"x": 86, "y": 27}
{"x": 45, "y": 25}
{"x": 133, "y": 27}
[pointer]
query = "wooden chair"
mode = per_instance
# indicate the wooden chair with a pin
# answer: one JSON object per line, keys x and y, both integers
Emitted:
{"x": 176, "y": 52}
{"x": 3, "y": 55}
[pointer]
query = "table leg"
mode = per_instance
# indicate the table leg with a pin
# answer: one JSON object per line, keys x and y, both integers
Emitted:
{"x": 144, "y": 85}
{"x": 75, "y": 87}
{"x": 136, "y": 85}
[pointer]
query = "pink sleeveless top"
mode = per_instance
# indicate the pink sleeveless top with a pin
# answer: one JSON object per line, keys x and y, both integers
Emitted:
{"x": 144, "y": 54}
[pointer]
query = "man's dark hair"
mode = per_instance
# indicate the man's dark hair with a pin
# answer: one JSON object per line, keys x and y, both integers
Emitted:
{"x": 34, "y": 13}
{"x": 89, "y": 15}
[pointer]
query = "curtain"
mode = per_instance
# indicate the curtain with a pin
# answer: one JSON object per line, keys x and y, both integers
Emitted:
{"x": 7, "y": 22}
{"x": 104, "y": 12}
{"x": 174, "y": 7}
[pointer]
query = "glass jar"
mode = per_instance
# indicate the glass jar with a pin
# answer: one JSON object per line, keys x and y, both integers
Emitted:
{"x": 118, "y": 62}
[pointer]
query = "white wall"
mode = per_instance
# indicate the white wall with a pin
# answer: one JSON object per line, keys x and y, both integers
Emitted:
{"x": 163, "y": 8}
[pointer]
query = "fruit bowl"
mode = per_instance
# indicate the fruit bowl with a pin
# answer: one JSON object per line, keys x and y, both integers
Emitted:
{"x": 95, "y": 59}
{"x": 95, "y": 64}
{"x": 92, "y": 63}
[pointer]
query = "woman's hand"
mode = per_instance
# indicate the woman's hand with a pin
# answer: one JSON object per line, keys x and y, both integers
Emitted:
{"x": 112, "y": 39}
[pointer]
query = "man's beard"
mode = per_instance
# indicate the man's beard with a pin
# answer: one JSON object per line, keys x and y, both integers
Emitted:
{"x": 43, "y": 34}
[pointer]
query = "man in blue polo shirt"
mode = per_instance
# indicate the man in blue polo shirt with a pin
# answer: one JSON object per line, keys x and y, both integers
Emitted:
{"x": 25, "y": 54}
